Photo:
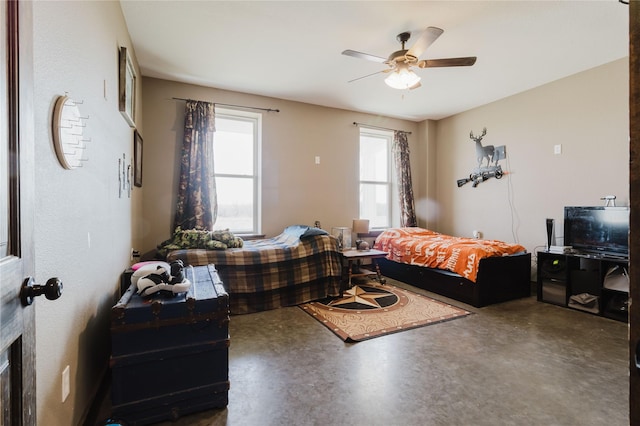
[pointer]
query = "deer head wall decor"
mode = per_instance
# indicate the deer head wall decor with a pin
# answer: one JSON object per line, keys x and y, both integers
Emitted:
{"x": 492, "y": 155}
{"x": 482, "y": 152}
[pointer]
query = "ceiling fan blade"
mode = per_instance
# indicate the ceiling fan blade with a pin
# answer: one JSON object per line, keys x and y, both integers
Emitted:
{"x": 447, "y": 62}
{"x": 415, "y": 86}
{"x": 369, "y": 75}
{"x": 366, "y": 56}
{"x": 426, "y": 38}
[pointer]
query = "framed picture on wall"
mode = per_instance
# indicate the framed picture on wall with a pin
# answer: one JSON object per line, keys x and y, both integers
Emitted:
{"x": 137, "y": 159}
{"x": 127, "y": 87}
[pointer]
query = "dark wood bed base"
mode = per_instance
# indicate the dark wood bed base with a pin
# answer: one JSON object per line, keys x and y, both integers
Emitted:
{"x": 499, "y": 279}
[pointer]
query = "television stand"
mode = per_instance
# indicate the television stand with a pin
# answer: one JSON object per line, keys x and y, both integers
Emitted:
{"x": 587, "y": 282}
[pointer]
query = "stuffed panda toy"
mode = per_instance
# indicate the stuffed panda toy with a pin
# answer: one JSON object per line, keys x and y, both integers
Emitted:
{"x": 160, "y": 276}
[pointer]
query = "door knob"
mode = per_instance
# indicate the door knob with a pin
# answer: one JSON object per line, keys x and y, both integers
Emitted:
{"x": 30, "y": 290}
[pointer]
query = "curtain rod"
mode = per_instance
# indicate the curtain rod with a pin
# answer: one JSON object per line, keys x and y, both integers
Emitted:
{"x": 355, "y": 123}
{"x": 230, "y": 105}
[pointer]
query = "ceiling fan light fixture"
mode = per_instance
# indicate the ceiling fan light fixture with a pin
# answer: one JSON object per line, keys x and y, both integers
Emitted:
{"x": 402, "y": 78}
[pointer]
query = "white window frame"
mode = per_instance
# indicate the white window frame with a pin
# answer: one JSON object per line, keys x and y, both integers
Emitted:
{"x": 389, "y": 183}
{"x": 256, "y": 118}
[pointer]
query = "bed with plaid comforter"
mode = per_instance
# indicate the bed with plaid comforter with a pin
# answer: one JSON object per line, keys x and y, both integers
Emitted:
{"x": 286, "y": 270}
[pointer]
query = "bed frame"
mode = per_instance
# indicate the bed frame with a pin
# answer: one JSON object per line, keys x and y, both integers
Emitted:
{"x": 499, "y": 279}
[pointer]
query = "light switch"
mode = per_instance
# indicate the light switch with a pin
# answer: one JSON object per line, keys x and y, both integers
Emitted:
{"x": 557, "y": 149}
{"x": 317, "y": 159}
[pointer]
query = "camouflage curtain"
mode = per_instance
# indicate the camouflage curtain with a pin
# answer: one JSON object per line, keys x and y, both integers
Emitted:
{"x": 197, "y": 205}
{"x": 403, "y": 170}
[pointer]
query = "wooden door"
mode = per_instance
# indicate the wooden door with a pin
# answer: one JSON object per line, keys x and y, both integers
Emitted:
{"x": 17, "y": 328}
{"x": 634, "y": 190}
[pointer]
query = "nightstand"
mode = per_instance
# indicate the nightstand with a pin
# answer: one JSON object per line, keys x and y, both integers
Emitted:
{"x": 352, "y": 256}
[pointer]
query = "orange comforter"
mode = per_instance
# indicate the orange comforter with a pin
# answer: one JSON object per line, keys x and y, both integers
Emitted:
{"x": 418, "y": 246}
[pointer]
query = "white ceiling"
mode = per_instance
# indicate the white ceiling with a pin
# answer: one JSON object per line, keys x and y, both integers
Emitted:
{"x": 292, "y": 49}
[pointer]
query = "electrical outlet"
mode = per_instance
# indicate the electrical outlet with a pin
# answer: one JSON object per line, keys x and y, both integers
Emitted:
{"x": 557, "y": 149}
{"x": 66, "y": 386}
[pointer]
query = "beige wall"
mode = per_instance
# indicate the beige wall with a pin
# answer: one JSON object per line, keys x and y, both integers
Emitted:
{"x": 294, "y": 189}
{"x": 587, "y": 113}
{"x": 425, "y": 174}
{"x": 83, "y": 230}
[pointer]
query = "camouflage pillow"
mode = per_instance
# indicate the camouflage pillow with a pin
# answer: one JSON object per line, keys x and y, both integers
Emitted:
{"x": 226, "y": 237}
{"x": 199, "y": 239}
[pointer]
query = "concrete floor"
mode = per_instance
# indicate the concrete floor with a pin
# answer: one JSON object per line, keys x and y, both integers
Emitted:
{"x": 516, "y": 363}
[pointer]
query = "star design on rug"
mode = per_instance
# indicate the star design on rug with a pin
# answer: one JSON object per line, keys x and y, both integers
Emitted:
{"x": 357, "y": 294}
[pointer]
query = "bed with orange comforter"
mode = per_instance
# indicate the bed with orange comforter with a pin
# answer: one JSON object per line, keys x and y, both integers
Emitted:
{"x": 477, "y": 272}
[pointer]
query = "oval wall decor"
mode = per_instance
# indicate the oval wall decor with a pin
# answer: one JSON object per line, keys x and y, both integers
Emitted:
{"x": 68, "y": 133}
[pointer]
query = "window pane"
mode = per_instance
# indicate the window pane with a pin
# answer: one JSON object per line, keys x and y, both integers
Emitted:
{"x": 374, "y": 204}
{"x": 373, "y": 158}
{"x": 375, "y": 184}
{"x": 235, "y": 204}
{"x": 233, "y": 147}
{"x": 236, "y": 147}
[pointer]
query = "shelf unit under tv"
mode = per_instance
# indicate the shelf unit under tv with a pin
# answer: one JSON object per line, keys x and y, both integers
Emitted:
{"x": 568, "y": 279}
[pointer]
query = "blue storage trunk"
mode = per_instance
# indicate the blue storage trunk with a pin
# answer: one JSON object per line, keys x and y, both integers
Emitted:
{"x": 170, "y": 355}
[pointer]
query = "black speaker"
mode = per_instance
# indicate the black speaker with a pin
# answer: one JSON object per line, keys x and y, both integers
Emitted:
{"x": 550, "y": 224}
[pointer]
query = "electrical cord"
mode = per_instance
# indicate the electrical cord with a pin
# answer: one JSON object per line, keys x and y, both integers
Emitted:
{"x": 515, "y": 219}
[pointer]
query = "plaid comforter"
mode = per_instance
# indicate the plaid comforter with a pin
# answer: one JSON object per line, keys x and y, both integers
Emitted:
{"x": 265, "y": 274}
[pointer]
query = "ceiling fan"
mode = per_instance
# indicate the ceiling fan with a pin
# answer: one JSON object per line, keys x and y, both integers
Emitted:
{"x": 400, "y": 62}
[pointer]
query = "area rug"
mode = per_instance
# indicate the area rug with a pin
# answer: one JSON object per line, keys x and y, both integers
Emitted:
{"x": 371, "y": 310}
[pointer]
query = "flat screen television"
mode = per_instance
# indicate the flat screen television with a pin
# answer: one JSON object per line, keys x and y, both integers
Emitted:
{"x": 597, "y": 230}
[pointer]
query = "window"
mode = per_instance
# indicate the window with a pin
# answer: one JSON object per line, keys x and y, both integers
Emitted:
{"x": 375, "y": 177}
{"x": 236, "y": 158}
